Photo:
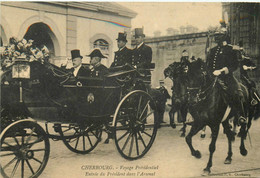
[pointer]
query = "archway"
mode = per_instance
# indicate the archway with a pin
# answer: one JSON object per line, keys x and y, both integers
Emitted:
{"x": 3, "y": 38}
{"x": 42, "y": 35}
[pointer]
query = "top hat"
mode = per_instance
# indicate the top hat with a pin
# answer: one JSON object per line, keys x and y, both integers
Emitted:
{"x": 75, "y": 53}
{"x": 96, "y": 53}
{"x": 139, "y": 32}
{"x": 122, "y": 37}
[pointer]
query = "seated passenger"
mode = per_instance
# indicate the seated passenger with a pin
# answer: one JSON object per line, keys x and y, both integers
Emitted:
{"x": 77, "y": 69}
{"x": 96, "y": 68}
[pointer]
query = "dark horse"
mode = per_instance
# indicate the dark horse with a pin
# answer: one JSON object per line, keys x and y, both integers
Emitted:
{"x": 212, "y": 108}
{"x": 175, "y": 72}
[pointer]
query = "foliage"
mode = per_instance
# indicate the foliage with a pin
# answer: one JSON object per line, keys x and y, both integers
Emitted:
{"x": 21, "y": 50}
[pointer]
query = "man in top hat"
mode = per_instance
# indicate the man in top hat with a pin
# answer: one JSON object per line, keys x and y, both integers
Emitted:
{"x": 77, "y": 69}
{"x": 222, "y": 61}
{"x": 97, "y": 69}
{"x": 123, "y": 55}
{"x": 142, "y": 55}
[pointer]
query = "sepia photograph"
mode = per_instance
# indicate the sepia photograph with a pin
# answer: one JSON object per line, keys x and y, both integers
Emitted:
{"x": 129, "y": 89}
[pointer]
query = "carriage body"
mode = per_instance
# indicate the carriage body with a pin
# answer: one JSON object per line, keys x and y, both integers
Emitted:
{"x": 79, "y": 110}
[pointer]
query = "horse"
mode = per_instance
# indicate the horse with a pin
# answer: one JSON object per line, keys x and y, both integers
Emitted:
{"x": 212, "y": 110}
{"x": 175, "y": 72}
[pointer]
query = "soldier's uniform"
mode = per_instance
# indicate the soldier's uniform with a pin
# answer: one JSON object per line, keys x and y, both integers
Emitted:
{"x": 247, "y": 64}
{"x": 222, "y": 61}
{"x": 123, "y": 55}
{"x": 142, "y": 57}
{"x": 98, "y": 69}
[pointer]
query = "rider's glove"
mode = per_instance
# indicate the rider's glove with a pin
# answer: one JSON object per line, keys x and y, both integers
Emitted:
{"x": 217, "y": 72}
{"x": 248, "y": 68}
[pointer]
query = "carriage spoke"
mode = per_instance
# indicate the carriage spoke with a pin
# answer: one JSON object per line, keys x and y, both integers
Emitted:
{"x": 94, "y": 134}
{"x": 8, "y": 164}
{"x": 147, "y": 115}
{"x": 8, "y": 154}
{"x": 36, "y": 141}
{"x": 136, "y": 142}
{"x": 127, "y": 140}
{"x": 15, "y": 168}
{"x": 10, "y": 148}
{"x": 77, "y": 143}
{"x": 131, "y": 146}
{"x": 123, "y": 136}
{"x": 29, "y": 165}
{"x": 66, "y": 130}
{"x": 144, "y": 110}
{"x": 139, "y": 105}
{"x": 89, "y": 140}
{"x": 37, "y": 160}
{"x": 83, "y": 137}
{"x": 16, "y": 140}
{"x": 30, "y": 135}
{"x": 22, "y": 169}
{"x": 35, "y": 150}
{"x": 7, "y": 144}
{"x": 147, "y": 134}
{"x": 22, "y": 139}
{"x": 140, "y": 136}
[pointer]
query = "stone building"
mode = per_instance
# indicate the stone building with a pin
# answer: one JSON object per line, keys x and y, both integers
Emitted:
{"x": 243, "y": 21}
{"x": 63, "y": 26}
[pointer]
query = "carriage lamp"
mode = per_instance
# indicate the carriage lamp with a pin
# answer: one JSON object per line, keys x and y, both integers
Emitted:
{"x": 21, "y": 69}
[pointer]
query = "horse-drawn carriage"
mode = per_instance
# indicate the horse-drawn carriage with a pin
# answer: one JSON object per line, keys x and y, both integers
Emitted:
{"x": 76, "y": 109}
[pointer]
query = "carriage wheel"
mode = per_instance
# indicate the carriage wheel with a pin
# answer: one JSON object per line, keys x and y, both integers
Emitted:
{"x": 135, "y": 123}
{"x": 80, "y": 139}
{"x": 25, "y": 149}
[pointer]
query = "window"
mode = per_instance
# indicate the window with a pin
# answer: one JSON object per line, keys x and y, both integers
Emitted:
{"x": 103, "y": 45}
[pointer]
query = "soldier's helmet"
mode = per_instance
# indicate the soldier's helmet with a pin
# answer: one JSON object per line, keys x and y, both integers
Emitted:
{"x": 221, "y": 34}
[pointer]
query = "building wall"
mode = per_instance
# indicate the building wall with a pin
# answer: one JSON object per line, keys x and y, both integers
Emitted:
{"x": 168, "y": 49}
{"x": 73, "y": 26}
{"x": 244, "y": 25}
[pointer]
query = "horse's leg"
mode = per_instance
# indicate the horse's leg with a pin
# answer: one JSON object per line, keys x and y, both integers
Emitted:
{"x": 184, "y": 112}
{"x": 212, "y": 147}
{"x": 235, "y": 123}
{"x": 183, "y": 129}
{"x": 195, "y": 128}
{"x": 243, "y": 150}
{"x": 171, "y": 115}
{"x": 203, "y": 134}
{"x": 231, "y": 137}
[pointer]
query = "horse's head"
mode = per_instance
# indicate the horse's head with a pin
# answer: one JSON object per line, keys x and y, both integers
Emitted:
{"x": 176, "y": 73}
{"x": 173, "y": 71}
{"x": 196, "y": 78}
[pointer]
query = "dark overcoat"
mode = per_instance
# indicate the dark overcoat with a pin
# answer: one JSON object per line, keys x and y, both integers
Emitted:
{"x": 122, "y": 57}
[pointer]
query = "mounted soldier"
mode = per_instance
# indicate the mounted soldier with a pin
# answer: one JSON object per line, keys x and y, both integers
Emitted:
{"x": 142, "y": 56}
{"x": 221, "y": 62}
{"x": 246, "y": 64}
{"x": 123, "y": 55}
